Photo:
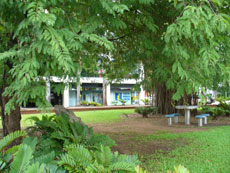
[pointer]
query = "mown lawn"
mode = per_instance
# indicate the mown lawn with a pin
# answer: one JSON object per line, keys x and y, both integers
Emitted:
{"x": 204, "y": 152}
{"x": 102, "y": 116}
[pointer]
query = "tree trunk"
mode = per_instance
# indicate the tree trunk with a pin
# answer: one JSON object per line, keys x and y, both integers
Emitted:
{"x": 104, "y": 92}
{"x": 164, "y": 101}
{"x": 11, "y": 121}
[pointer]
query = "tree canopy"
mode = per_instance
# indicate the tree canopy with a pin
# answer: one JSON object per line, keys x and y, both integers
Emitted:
{"x": 182, "y": 45}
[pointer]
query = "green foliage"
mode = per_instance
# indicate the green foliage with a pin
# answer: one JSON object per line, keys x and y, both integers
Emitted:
{"x": 223, "y": 108}
{"x": 95, "y": 104}
{"x": 80, "y": 159}
{"x": 181, "y": 169}
{"x": 214, "y": 111}
{"x": 57, "y": 131}
{"x": 122, "y": 101}
{"x": 40, "y": 39}
{"x": 115, "y": 102}
{"x": 85, "y": 103}
{"x": 146, "y": 101}
{"x": 22, "y": 158}
{"x": 145, "y": 111}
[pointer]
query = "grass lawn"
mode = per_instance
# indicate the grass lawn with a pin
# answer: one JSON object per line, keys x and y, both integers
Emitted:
{"x": 102, "y": 116}
{"x": 204, "y": 152}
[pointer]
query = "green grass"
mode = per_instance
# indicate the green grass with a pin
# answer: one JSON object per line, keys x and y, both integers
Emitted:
{"x": 105, "y": 116}
{"x": 102, "y": 116}
{"x": 206, "y": 152}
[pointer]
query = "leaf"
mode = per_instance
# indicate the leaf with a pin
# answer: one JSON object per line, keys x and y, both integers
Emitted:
{"x": 10, "y": 138}
{"x": 22, "y": 159}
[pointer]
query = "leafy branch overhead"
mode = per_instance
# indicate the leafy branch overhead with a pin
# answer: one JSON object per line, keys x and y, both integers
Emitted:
{"x": 51, "y": 38}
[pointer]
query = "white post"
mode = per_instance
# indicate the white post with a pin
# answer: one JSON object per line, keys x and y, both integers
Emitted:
{"x": 108, "y": 94}
{"x": 200, "y": 122}
{"x": 205, "y": 120}
{"x": 176, "y": 119}
{"x": 170, "y": 121}
{"x": 48, "y": 90}
{"x": 78, "y": 94}
{"x": 105, "y": 103}
{"x": 187, "y": 116}
{"x": 66, "y": 97}
{"x": 142, "y": 96}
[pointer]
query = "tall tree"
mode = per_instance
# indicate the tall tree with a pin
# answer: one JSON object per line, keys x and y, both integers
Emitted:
{"x": 41, "y": 39}
{"x": 183, "y": 46}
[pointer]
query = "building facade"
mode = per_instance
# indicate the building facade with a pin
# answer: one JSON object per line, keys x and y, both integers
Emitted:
{"x": 96, "y": 89}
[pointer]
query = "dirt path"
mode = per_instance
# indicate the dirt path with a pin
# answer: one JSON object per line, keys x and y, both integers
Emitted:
{"x": 125, "y": 133}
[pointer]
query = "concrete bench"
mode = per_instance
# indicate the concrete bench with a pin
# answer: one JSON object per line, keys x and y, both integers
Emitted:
{"x": 170, "y": 116}
{"x": 200, "y": 117}
{"x": 176, "y": 117}
{"x": 206, "y": 118}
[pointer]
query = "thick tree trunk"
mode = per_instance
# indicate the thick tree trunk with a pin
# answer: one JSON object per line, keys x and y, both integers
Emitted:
{"x": 164, "y": 101}
{"x": 11, "y": 121}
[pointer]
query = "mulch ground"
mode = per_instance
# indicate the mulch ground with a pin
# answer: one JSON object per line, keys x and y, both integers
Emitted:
{"x": 133, "y": 125}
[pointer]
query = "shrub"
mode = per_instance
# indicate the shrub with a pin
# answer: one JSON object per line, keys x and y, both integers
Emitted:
{"x": 95, "y": 104}
{"x": 213, "y": 111}
{"x": 85, "y": 103}
{"x": 86, "y": 153}
{"x": 80, "y": 159}
{"x": 146, "y": 101}
{"x": 57, "y": 131}
{"x": 145, "y": 111}
{"x": 98, "y": 104}
{"x": 123, "y": 101}
{"x": 21, "y": 158}
{"x": 115, "y": 102}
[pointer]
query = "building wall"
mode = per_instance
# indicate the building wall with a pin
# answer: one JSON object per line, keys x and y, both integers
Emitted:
{"x": 95, "y": 93}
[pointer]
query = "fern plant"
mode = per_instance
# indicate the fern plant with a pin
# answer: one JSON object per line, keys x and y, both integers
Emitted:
{"x": 57, "y": 131}
{"x": 7, "y": 154}
{"x": 79, "y": 159}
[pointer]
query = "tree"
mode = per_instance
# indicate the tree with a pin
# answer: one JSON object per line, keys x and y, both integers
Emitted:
{"x": 40, "y": 39}
{"x": 182, "y": 45}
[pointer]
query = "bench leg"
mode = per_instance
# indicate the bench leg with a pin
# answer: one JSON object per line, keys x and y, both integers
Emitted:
{"x": 169, "y": 121}
{"x": 200, "y": 122}
{"x": 176, "y": 119}
{"x": 206, "y": 120}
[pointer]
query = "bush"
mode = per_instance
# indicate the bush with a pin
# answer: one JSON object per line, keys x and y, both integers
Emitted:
{"x": 98, "y": 104}
{"x": 213, "y": 111}
{"x": 80, "y": 159}
{"x": 115, "y": 102}
{"x": 57, "y": 131}
{"x": 145, "y": 111}
{"x": 85, "y": 103}
{"x": 123, "y": 101}
{"x": 146, "y": 101}
{"x": 80, "y": 150}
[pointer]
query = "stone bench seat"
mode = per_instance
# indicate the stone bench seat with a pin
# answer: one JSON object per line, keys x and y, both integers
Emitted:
{"x": 206, "y": 118}
{"x": 200, "y": 117}
{"x": 171, "y": 116}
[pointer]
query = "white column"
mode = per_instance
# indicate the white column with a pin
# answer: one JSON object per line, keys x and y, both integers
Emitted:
{"x": 79, "y": 94}
{"x": 48, "y": 91}
{"x": 66, "y": 97}
{"x": 105, "y": 102}
{"x": 108, "y": 94}
{"x": 187, "y": 116}
{"x": 142, "y": 96}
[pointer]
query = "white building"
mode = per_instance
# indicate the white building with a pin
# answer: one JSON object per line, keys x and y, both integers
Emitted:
{"x": 96, "y": 89}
